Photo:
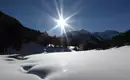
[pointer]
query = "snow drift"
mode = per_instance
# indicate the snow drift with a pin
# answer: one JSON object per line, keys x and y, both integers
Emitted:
{"x": 112, "y": 64}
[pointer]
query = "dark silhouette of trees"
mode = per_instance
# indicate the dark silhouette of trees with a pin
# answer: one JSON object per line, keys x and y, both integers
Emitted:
{"x": 44, "y": 39}
{"x": 13, "y": 33}
{"x": 122, "y": 39}
{"x": 10, "y": 32}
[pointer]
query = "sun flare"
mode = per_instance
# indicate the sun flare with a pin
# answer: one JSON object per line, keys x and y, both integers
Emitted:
{"x": 61, "y": 22}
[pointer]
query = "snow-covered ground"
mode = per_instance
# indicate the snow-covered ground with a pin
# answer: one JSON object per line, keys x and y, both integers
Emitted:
{"x": 112, "y": 64}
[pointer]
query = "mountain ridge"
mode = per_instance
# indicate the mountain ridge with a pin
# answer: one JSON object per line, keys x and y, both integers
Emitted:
{"x": 13, "y": 33}
{"x": 107, "y": 34}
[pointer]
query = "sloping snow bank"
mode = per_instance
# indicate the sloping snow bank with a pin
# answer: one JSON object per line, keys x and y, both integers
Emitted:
{"x": 112, "y": 64}
{"x": 10, "y": 70}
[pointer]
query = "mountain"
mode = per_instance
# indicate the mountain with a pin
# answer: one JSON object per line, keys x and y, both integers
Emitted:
{"x": 13, "y": 33}
{"x": 88, "y": 40}
{"x": 83, "y": 39}
{"x": 122, "y": 39}
{"x": 13, "y": 37}
{"x": 108, "y": 34}
{"x": 83, "y": 35}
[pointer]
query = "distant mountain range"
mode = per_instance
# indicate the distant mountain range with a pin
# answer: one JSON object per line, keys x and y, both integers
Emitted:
{"x": 94, "y": 37}
{"x": 83, "y": 35}
{"x": 108, "y": 34}
{"x": 14, "y": 34}
{"x": 90, "y": 40}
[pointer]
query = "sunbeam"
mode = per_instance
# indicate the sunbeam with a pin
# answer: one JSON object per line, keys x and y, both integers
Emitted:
{"x": 61, "y": 21}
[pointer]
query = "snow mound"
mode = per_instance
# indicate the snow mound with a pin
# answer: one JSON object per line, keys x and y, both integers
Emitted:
{"x": 112, "y": 64}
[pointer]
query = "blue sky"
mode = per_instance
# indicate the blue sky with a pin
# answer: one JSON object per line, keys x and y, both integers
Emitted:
{"x": 94, "y": 15}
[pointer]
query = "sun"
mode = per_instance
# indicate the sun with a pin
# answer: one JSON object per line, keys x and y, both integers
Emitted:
{"x": 61, "y": 22}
